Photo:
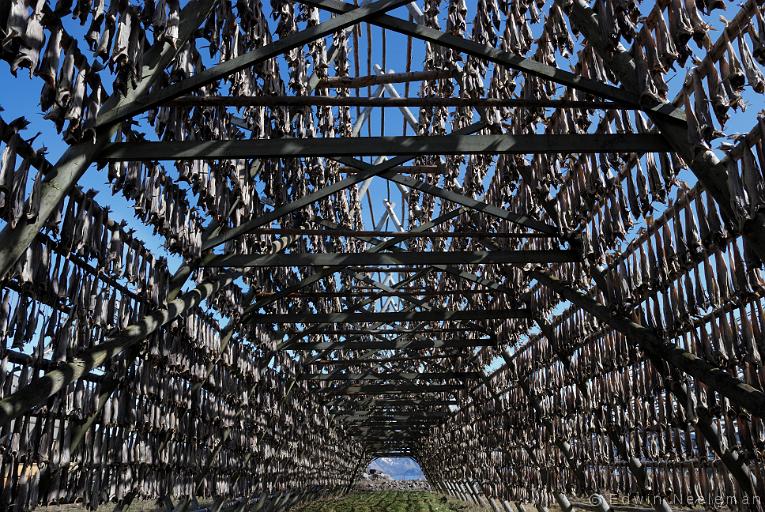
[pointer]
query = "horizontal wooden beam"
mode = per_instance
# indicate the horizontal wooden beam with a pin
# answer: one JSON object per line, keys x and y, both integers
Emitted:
{"x": 421, "y": 332}
{"x": 376, "y": 407}
{"x": 394, "y": 430}
{"x": 343, "y": 232}
{"x": 396, "y": 425}
{"x": 391, "y": 420}
{"x": 394, "y": 345}
{"x": 420, "y": 404}
{"x": 389, "y": 146}
{"x": 395, "y": 258}
{"x": 434, "y": 315}
{"x": 391, "y": 376}
{"x": 378, "y": 361}
{"x": 405, "y": 169}
{"x": 384, "y": 389}
{"x": 402, "y": 425}
{"x": 391, "y": 416}
{"x": 301, "y": 102}
{"x": 357, "y": 82}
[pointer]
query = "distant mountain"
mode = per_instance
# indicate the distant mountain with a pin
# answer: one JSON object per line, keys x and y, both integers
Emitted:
{"x": 399, "y": 468}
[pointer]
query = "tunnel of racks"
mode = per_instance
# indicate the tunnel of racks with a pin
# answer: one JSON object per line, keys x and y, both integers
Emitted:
{"x": 245, "y": 249}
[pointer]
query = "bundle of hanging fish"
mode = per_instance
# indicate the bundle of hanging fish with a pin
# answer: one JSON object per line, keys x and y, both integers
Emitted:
{"x": 14, "y": 205}
{"x": 160, "y": 203}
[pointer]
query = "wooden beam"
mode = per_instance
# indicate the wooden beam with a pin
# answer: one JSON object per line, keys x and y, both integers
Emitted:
{"x": 437, "y": 315}
{"x": 384, "y": 389}
{"x": 388, "y": 146}
{"x": 421, "y": 404}
{"x": 362, "y": 362}
{"x": 340, "y": 232}
{"x": 421, "y": 332}
{"x": 390, "y": 421}
{"x": 393, "y": 345}
{"x": 392, "y": 426}
{"x": 395, "y": 258}
{"x": 357, "y": 82}
{"x": 301, "y": 102}
{"x": 392, "y": 416}
{"x": 390, "y": 376}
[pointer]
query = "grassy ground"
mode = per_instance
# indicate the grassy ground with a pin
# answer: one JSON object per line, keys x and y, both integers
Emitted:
{"x": 390, "y": 501}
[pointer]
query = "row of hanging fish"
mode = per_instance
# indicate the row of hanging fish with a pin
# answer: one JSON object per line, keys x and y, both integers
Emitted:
{"x": 15, "y": 204}
{"x": 665, "y": 483}
{"x": 80, "y": 234}
{"x": 160, "y": 203}
{"x": 121, "y": 409}
{"x": 655, "y": 444}
{"x": 85, "y": 228}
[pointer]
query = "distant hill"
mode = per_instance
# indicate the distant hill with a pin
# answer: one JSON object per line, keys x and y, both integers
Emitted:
{"x": 399, "y": 468}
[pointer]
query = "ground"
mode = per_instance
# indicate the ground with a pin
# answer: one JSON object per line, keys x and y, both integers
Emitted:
{"x": 390, "y": 501}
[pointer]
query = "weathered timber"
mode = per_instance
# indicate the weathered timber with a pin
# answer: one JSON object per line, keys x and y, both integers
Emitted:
{"x": 397, "y": 258}
{"x": 389, "y": 146}
{"x": 412, "y": 316}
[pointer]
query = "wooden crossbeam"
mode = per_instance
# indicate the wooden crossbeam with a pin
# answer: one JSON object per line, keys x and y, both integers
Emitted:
{"x": 421, "y": 332}
{"x": 399, "y": 432}
{"x": 384, "y": 389}
{"x": 394, "y": 345}
{"x": 342, "y": 232}
{"x": 402, "y": 425}
{"x": 391, "y": 427}
{"x": 353, "y": 408}
{"x": 300, "y": 102}
{"x": 391, "y": 376}
{"x": 389, "y": 146}
{"x": 389, "y": 405}
{"x": 347, "y": 82}
{"x": 381, "y": 420}
{"x": 357, "y": 415}
{"x": 403, "y": 402}
{"x": 375, "y": 362}
{"x": 397, "y": 258}
{"x": 435, "y": 315}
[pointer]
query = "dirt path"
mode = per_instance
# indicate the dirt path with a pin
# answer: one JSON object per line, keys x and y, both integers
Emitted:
{"x": 390, "y": 501}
